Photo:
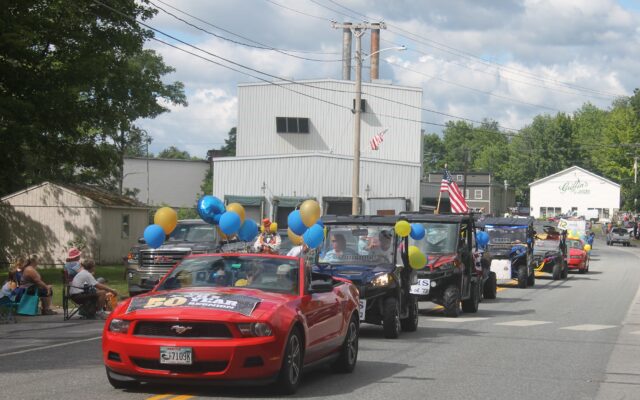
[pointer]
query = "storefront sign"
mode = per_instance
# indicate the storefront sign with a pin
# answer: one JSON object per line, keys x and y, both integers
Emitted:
{"x": 575, "y": 187}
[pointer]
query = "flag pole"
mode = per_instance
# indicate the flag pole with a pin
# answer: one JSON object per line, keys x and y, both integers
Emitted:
{"x": 440, "y": 194}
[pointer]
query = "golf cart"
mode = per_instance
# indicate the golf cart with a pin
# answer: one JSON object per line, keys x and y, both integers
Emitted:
{"x": 453, "y": 273}
{"x": 550, "y": 251}
{"x": 510, "y": 249}
{"x": 364, "y": 249}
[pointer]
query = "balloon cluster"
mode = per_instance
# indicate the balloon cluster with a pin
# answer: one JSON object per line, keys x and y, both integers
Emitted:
{"x": 482, "y": 239}
{"x": 305, "y": 225}
{"x": 165, "y": 221}
{"x": 417, "y": 259}
{"x": 230, "y": 219}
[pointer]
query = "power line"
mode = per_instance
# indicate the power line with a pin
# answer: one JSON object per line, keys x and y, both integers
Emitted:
{"x": 259, "y": 45}
{"x": 462, "y": 53}
{"x": 298, "y": 11}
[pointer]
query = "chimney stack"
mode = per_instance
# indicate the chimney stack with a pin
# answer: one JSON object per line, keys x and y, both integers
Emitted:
{"x": 346, "y": 52}
{"x": 375, "y": 46}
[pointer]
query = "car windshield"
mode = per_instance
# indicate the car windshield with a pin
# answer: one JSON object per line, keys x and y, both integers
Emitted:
{"x": 620, "y": 231}
{"x": 263, "y": 273}
{"x": 547, "y": 245}
{"x": 358, "y": 244}
{"x": 574, "y": 244}
{"x": 506, "y": 235}
{"x": 193, "y": 233}
{"x": 439, "y": 238}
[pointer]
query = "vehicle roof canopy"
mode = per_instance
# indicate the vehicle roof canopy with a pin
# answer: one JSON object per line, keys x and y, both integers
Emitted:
{"x": 505, "y": 221}
{"x": 360, "y": 219}
{"x": 439, "y": 218}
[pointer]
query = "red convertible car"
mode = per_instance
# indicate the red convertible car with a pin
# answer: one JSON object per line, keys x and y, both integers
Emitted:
{"x": 578, "y": 256}
{"x": 236, "y": 319}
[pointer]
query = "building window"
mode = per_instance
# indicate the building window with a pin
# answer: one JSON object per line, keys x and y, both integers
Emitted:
{"x": 477, "y": 194}
{"x": 124, "y": 232}
{"x": 363, "y": 103}
{"x": 605, "y": 213}
{"x": 459, "y": 178}
{"x": 292, "y": 125}
{"x": 466, "y": 193}
{"x": 548, "y": 212}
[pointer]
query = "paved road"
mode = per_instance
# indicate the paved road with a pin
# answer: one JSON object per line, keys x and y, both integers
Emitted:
{"x": 574, "y": 339}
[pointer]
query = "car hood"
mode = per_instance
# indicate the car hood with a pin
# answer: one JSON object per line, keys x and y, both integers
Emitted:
{"x": 576, "y": 252}
{"x": 436, "y": 261}
{"x": 355, "y": 272}
{"x": 194, "y": 246}
{"x": 227, "y": 304}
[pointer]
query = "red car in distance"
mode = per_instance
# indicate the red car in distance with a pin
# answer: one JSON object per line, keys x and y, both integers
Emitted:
{"x": 578, "y": 256}
{"x": 233, "y": 318}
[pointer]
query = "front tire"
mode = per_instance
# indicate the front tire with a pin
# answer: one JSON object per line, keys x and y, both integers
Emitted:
{"x": 491, "y": 286}
{"x": 410, "y": 324}
{"x": 451, "y": 301}
{"x": 531, "y": 280}
{"x": 565, "y": 271}
{"x": 522, "y": 277}
{"x": 291, "y": 370}
{"x": 557, "y": 271}
{"x": 346, "y": 362}
{"x": 391, "y": 318}
{"x": 471, "y": 304}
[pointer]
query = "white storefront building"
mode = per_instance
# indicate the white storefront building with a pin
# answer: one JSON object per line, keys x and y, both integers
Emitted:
{"x": 574, "y": 189}
{"x": 295, "y": 141}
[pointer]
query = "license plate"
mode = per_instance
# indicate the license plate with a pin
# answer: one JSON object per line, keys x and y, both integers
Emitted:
{"x": 422, "y": 287}
{"x": 176, "y": 355}
{"x": 362, "y": 309}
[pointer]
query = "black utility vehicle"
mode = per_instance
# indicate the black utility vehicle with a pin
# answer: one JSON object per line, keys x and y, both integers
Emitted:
{"x": 452, "y": 275}
{"x": 550, "y": 251}
{"x": 365, "y": 250}
{"x": 510, "y": 249}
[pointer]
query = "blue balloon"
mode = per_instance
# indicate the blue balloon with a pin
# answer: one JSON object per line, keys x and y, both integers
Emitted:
{"x": 209, "y": 207}
{"x": 319, "y": 222}
{"x": 482, "y": 238}
{"x": 295, "y": 223}
{"x": 248, "y": 230}
{"x": 154, "y": 236}
{"x": 417, "y": 231}
{"x": 230, "y": 223}
{"x": 314, "y": 236}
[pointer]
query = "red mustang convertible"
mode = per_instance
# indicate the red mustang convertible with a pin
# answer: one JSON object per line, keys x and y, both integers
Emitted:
{"x": 578, "y": 256}
{"x": 234, "y": 318}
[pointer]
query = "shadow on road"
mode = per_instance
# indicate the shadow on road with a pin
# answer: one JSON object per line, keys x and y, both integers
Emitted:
{"x": 317, "y": 382}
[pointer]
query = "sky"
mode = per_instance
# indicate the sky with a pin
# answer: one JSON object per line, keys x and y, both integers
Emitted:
{"x": 506, "y": 60}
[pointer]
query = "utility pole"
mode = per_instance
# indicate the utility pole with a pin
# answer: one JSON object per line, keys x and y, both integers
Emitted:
{"x": 358, "y": 30}
{"x": 467, "y": 157}
{"x": 147, "y": 140}
{"x": 635, "y": 169}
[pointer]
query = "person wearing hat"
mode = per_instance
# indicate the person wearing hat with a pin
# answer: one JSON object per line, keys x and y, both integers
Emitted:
{"x": 267, "y": 242}
{"x": 72, "y": 263}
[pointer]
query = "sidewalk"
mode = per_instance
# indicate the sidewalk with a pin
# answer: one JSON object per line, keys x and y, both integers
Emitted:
{"x": 622, "y": 376}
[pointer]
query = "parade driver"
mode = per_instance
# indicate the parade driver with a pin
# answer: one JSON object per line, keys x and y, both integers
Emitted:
{"x": 267, "y": 242}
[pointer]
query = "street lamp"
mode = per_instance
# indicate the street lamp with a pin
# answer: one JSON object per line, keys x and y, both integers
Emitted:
{"x": 355, "y": 184}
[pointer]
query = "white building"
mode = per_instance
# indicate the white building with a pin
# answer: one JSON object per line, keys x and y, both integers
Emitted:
{"x": 170, "y": 182}
{"x": 574, "y": 189}
{"x": 292, "y": 146}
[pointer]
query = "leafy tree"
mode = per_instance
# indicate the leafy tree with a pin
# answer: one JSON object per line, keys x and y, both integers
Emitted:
{"x": 175, "y": 153}
{"x": 73, "y": 77}
{"x": 229, "y": 148}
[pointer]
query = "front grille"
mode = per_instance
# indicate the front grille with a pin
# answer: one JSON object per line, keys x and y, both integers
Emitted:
{"x": 160, "y": 260}
{"x": 196, "y": 367}
{"x": 210, "y": 330}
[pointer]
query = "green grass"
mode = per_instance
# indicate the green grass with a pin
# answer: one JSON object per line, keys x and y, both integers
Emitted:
{"x": 114, "y": 274}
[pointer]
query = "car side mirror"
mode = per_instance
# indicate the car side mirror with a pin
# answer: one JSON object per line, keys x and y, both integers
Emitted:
{"x": 320, "y": 287}
{"x": 141, "y": 240}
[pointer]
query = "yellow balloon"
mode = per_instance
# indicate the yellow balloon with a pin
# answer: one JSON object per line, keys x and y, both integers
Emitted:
{"x": 403, "y": 228}
{"x": 587, "y": 248}
{"x": 273, "y": 228}
{"x": 417, "y": 259}
{"x": 241, "y": 282}
{"x": 310, "y": 212}
{"x": 238, "y": 209}
{"x": 295, "y": 239}
{"x": 167, "y": 218}
{"x": 221, "y": 234}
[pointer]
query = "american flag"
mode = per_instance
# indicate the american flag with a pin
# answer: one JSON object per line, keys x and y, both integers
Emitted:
{"x": 377, "y": 140}
{"x": 456, "y": 198}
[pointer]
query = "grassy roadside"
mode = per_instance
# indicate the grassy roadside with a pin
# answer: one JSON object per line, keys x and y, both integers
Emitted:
{"x": 114, "y": 274}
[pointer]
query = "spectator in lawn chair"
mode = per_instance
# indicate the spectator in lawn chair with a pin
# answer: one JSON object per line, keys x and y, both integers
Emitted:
{"x": 72, "y": 263}
{"x": 9, "y": 287}
{"x": 32, "y": 281}
{"x": 88, "y": 292}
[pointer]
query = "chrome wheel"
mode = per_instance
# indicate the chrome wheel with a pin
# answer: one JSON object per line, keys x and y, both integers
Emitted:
{"x": 352, "y": 343}
{"x": 294, "y": 359}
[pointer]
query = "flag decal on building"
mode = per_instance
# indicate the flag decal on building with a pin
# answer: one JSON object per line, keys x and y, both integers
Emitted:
{"x": 456, "y": 198}
{"x": 377, "y": 139}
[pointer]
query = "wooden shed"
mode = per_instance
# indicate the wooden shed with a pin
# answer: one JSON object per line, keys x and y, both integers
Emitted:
{"x": 49, "y": 218}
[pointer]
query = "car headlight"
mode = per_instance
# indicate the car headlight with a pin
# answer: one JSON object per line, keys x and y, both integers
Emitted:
{"x": 119, "y": 326}
{"x": 382, "y": 280}
{"x": 257, "y": 329}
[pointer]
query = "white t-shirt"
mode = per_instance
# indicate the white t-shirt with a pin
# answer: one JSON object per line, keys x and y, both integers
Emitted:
{"x": 295, "y": 251}
{"x": 77, "y": 285}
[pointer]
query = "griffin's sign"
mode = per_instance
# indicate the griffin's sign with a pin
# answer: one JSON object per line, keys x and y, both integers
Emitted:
{"x": 575, "y": 187}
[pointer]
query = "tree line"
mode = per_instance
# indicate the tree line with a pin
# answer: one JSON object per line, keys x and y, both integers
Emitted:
{"x": 603, "y": 141}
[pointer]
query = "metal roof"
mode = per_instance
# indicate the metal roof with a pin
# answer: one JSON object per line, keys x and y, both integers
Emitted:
{"x": 360, "y": 219}
{"x": 510, "y": 221}
{"x": 422, "y": 217}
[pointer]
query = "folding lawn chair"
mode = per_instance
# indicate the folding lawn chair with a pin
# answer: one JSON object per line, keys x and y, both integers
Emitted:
{"x": 69, "y": 307}
{"x": 8, "y": 309}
